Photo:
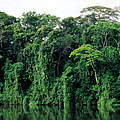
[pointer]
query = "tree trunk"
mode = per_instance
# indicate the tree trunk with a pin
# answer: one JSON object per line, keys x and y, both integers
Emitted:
{"x": 94, "y": 72}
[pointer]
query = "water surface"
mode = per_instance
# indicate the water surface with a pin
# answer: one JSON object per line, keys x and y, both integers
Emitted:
{"x": 53, "y": 113}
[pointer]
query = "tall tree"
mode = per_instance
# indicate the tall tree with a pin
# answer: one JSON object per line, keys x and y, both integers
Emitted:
{"x": 102, "y": 13}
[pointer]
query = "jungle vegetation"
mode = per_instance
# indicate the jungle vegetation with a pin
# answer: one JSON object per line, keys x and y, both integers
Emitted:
{"x": 52, "y": 61}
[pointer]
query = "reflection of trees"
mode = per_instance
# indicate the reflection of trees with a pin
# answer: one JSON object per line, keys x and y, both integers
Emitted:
{"x": 108, "y": 113}
{"x": 12, "y": 113}
{"x": 53, "y": 113}
{"x": 39, "y": 113}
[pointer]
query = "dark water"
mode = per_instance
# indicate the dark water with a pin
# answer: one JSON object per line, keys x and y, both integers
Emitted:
{"x": 53, "y": 113}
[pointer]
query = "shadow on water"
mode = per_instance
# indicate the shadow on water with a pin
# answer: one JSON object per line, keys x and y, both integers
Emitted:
{"x": 53, "y": 113}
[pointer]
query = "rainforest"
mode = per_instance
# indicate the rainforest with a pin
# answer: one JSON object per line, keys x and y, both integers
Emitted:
{"x": 47, "y": 60}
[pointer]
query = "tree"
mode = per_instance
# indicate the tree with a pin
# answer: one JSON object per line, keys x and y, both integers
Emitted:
{"x": 102, "y": 13}
{"x": 5, "y": 32}
{"x": 102, "y": 34}
{"x": 32, "y": 20}
{"x": 90, "y": 55}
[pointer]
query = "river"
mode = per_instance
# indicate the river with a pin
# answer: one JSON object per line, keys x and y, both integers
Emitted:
{"x": 54, "y": 113}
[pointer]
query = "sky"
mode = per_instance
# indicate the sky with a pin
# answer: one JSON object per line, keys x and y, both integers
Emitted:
{"x": 60, "y": 8}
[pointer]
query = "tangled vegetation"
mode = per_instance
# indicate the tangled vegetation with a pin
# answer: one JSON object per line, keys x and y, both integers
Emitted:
{"x": 74, "y": 61}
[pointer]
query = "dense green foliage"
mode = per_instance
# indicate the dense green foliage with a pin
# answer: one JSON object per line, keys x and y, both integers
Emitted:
{"x": 45, "y": 60}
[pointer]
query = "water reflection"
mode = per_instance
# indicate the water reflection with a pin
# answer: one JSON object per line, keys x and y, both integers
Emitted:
{"x": 53, "y": 113}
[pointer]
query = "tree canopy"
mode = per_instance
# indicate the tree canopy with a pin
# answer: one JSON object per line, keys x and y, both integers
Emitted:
{"x": 64, "y": 62}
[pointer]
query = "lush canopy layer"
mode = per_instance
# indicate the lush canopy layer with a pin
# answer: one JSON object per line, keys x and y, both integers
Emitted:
{"x": 45, "y": 60}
